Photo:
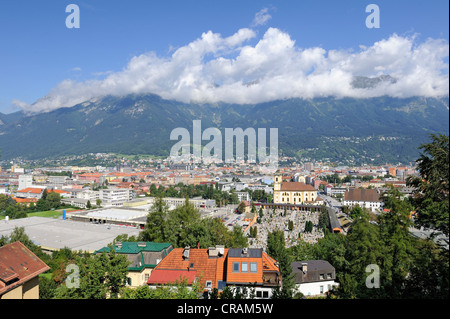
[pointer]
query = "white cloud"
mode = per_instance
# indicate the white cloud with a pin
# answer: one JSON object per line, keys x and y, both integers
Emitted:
{"x": 214, "y": 68}
{"x": 261, "y": 17}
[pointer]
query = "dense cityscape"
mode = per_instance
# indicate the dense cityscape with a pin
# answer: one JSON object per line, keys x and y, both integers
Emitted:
{"x": 286, "y": 218}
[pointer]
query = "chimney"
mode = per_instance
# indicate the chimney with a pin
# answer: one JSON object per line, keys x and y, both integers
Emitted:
{"x": 213, "y": 252}
{"x": 221, "y": 250}
{"x": 186, "y": 252}
{"x": 304, "y": 267}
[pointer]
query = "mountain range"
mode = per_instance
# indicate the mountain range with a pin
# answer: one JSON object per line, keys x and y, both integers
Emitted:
{"x": 349, "y": 130}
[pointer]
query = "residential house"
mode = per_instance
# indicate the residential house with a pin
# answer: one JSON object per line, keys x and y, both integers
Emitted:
{"x": 252, "y": 267}
{"x": 30, "y": 192}
{"x": 19, "y": 272}
{"x": 217, "y": 267}
{"x": 363, "y": 197}
{"x": 144, "y": 257}
{"x": 25, "y": 201}
{"x": 314, "y": 277}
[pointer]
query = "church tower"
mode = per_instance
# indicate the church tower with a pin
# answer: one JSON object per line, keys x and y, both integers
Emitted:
{"x": 278, "y": 179}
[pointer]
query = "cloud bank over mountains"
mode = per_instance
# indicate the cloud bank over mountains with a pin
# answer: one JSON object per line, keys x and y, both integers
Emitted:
{"x": 214, "y": 68}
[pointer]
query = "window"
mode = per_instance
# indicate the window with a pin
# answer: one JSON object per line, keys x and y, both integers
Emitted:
{"x": 208, "y": 284}
{"x": 235, "y": 267}
{"x": 321, "y": 289}
{"x": 146, "y": 277}
{"x": 329, "y": 276}
{"x": 253, "y": 267}
{"x": 221, "y": 284}
{"x": 265, "y": 294}
{"x": 321, "y": 276}
{"x": 244, "y": 267}
{"x": 258, "y": 293}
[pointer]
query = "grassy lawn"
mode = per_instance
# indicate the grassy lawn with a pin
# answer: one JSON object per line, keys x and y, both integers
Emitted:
{"x": 50, "y": 213}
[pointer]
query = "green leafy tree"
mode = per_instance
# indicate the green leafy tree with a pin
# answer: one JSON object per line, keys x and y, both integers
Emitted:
{"x": 53, "y": 200}
{"x": 432, "y": 186}
{"x": 364, "y": 248}
{"x": 276, "y": 249}
{"x": 101, "y": 276}
{"x": 324, "y": 220}
{"x": 154, "y": 229}
{"x": 398, "y": 243}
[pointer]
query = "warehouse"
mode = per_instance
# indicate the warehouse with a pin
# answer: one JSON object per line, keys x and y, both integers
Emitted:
{"x": 52, "y": 234}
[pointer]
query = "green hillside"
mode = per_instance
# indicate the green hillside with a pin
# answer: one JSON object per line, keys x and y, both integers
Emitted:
{"x": 376, "y": 129}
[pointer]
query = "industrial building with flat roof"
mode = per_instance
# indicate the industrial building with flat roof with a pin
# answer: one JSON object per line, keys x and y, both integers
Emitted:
{"x": 112, "y": 215}
{"x": 52, "y": 234}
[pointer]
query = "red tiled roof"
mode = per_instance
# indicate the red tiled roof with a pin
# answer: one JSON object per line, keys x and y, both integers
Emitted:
{"x": 18, "y": 264}
{"x": 206, "y": 268}
{"x": 362, "y": 195}
{"x": 160, "y": 277}
{"x": 31, "y": 190}
{"x": 296, "y": 186}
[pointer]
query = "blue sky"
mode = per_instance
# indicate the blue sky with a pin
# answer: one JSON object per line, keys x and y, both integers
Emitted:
{"x": 38, "y": 52}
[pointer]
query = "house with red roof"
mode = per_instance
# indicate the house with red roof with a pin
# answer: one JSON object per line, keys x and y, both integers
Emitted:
{"x": 30, "y": 192}
{"x": 217, "y": 267}
{"x": 19, "y": 272}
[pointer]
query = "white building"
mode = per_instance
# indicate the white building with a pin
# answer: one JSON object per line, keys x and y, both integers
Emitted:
{"x": 115, "y": 196}
{"x": 364, "y": 198}
{"x": 174, "y": 202}
{"x": 333, "y": 191}
{"x": 25, "y": 181}
{"x": 314, "y": 277}
{"x": 243, "y": 196}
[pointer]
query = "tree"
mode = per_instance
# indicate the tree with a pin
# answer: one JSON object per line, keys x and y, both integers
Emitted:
{"x": 324, "y": 220}
{"x": 356, "y": 212}
{"x": 154, "y": 229}
{"x": 428, "y": 275}
{"x": 432, "y": 186}
{"x": 394, "y": 232}
{"x": 290, "y": 225}
{"x": 308, "y": 226}
{"x": 364, "y": 248}
{"x": 101, "y": 276}
{"x": 88, "y": 204}
{"x": 276, "y": 249}
{"x": 241, "y": 208}
{"x": 53, "y": 200}
{"x": 42, "y": 205}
